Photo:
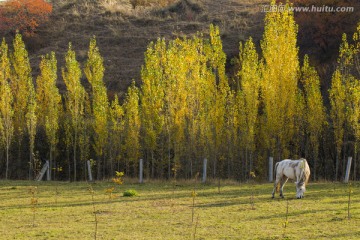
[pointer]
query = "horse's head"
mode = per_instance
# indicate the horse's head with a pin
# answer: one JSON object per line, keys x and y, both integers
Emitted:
{"x": 300, "y": 189}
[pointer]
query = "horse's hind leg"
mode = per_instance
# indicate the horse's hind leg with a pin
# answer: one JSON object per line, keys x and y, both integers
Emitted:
{"x": 282, "y": 182}
{"x": 275, "y": 184}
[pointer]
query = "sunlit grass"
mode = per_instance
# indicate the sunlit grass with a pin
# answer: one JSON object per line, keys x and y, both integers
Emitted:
{"x": 163, "y": 210}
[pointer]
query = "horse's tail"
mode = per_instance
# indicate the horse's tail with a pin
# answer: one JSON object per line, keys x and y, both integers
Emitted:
{"x": 277, "y": 183}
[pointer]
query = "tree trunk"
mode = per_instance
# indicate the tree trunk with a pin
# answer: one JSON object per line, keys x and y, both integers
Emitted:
{"x": 7, "y": 161}
{"x": 74, "y": 157}
{"x": 152, "y": 164}
{"x": 336, "y": 166}
{"x": 169, "y": 156}
{"x": 355, "y": 156}
{"x": 51, "y": 162}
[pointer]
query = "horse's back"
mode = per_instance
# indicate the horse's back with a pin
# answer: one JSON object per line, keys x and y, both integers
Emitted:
{"x": 289, "y": 167}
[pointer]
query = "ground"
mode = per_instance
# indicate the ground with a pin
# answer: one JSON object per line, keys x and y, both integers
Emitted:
{"x": 169, "y": 210}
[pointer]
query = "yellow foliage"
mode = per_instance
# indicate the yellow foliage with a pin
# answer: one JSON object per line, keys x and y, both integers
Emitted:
{"x": 279, "y": 88}
{"x": 118, "y": 179}
{"x": 94, "y": 71}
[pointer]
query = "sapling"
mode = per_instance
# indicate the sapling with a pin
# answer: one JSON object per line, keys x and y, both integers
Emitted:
{"x": 287, "y": 214}
{"x": 196, "y": 225}
{"x": 286, "y": 223}
{"x": 33, "y": 202}
{"x": 193, "y": 194}
{"x": 252, "y": 198}
{"x": 92, "y": 192}
{"x": 174, "y": 170}
{"x": 118, "y": 180}
{"x": 349, "y": 200}
{"x": 57, "y": 192}
{"x": 109, "y": 192}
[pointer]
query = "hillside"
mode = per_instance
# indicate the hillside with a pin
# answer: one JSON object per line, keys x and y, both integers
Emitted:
{"x": 123, "y": 32}
{"x": 124, "y": 28}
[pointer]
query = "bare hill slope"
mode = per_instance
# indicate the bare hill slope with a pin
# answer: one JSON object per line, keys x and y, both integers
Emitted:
{"x": 123, "y": 32}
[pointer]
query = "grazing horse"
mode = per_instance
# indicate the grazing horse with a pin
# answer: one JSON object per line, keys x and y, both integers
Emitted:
{"x": 297, "y": 170}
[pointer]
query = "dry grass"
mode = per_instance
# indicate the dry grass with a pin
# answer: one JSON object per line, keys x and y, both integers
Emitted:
{"x": 65, "y": 211}
{"x": 133, "y": 7}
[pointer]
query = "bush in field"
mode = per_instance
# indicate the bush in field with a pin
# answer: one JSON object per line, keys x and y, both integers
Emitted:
{"x": 130, "y": 193}
{"x": 23, "y": 15}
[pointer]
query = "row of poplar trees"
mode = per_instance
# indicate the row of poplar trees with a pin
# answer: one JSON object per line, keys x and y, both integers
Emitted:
{"x": 186, "y": 109}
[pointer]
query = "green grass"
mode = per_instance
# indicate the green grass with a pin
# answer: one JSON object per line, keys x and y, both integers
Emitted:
{"x": 161, "y": 211}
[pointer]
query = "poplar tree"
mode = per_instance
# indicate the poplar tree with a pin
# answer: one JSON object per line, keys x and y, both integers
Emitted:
{"x": 175, "y": 99}
{"x": 131, "y": 127}
{"x": 86, "y": 131}
{"x": 195, "y": 62}
{"x": 249, "y": 78}
{"x": 31, "y": 123}
{"x": 152, "y": 97}
{"x": 349, "y": 67}
{"x": 94, "y": 71}
{"x": 49, "y": 102}
{"x": 184, "y": 97}
{"x": 355, "y": 119}
{"x": 353, "y": 115}
{"x": 75, "y": 101}
{"x": 23, "y": 92}
{"x": 232, "y": 137}
{"x": 279, "y": 88}
{"x": 217, "y": 59}
{"x": 337, "y": 96}
{"x": 314, "y": 114}
{"x": 6, "y": 103}
{"x": 116, "y": 133}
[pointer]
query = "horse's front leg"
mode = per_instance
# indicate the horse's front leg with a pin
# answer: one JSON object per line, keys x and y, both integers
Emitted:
{"x": 283, "y": 182}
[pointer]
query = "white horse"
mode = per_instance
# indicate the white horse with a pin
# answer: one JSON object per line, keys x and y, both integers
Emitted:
{"x": 297, "y": 170}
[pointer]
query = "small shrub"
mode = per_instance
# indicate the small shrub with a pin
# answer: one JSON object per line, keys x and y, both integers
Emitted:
{"x": 24, "y": 15}
{"x": 130, "y": 193}
{"x": 139, "y": 3}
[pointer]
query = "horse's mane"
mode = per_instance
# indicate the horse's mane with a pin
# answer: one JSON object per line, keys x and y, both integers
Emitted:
{"x": 306, "y": 175}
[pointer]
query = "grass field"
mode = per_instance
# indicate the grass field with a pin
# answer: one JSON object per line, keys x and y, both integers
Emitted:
{"x": 163, "y": 210}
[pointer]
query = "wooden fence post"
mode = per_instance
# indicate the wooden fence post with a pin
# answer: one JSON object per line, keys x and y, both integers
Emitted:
{"x": 44, "y": 170}
{"x": 347, "y": 174}
{"x": 271, "y": 169}
{"x": 141, "y": 170}
{"x": 89, "y": 171}
{"x": 48, "y": 171}
{"x": 204, "y": 171}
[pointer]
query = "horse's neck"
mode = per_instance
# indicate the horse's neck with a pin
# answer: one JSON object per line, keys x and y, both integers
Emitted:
{"x": 302, "y": 171}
